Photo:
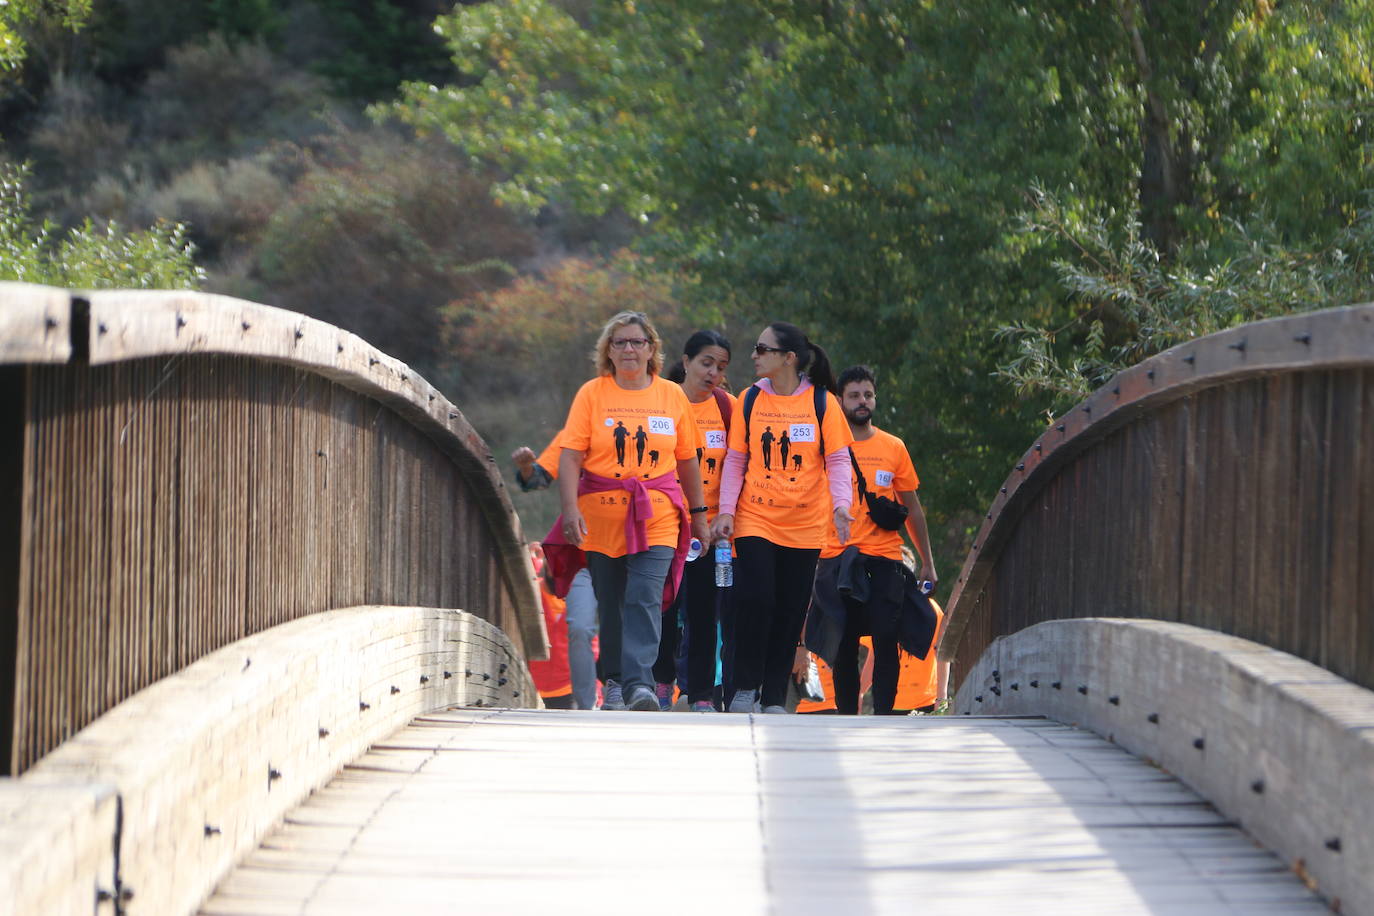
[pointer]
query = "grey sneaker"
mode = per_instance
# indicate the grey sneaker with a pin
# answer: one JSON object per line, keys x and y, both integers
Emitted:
{"x": 743, "y": 701}
{"x": 643, "y": 699}
{"x": 775, "y": 710}
{"x": 611, "y": 697}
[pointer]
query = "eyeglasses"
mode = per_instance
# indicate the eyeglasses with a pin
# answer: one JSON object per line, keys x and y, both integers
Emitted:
{"x": 760, "y": 349}
{"x": 629, "y": 343}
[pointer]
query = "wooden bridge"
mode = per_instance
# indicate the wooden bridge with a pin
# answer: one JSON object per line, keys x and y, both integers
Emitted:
{"x": 233, "y": 546}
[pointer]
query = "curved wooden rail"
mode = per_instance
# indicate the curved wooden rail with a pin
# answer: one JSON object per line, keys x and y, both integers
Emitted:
{"x": 1227, "y": 482}
{"x": 194, "y": 469}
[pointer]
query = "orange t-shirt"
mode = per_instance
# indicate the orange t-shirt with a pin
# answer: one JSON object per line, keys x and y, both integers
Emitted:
{"x": 711, "y": 425}
{"x": 887, "y": 470}
{"x": 552, "y": 678}
{"x": 916, "y": 683}
{"x": 629, "y": 433}
{"x": 786, "y": 495}
{"x": 827, "y": 679}
{"x": 548, "y": 458}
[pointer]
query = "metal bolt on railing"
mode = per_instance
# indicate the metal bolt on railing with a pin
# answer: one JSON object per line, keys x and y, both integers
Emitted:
{"x": 211, "y": 830}
{"x": 1190, "y": 358}
{"x": 1058, "y": 685}
{"x": 996, "y": 674}
{"x": 246, "y": 325}
{"x": 1035, "y": 683}
{"x": 364, "y": 707}
{"x": 1083, "y": 689}
{"x": 424, "y": 679}
{"x": 1114, "y": 700}
{"x": 501, "y": 669}
{"x": 448, "y": 674}
{"x": 1257, "y": 787}
{"x": 1239, "y": 346}
{"x": 1334, "y": 844}
{"x": 501, "y": 683}
{"x": 1200, "y": 743}
{"x": 50, "y": 322}
{"x": 299, "y": 333}
{"x": 1305, "y": 339}
{"x": 1015, "y": 685}
{"x": 997, "y": 690}
{"x": 486, "y": 675}
{"x": 1153, "y": 718}
{"x": 395, "y": 690}
{"x": 324, "y": 733}
{"x": 978, "y": 698}
{"x": 181, "y": 321}
{"x": 273, "y": 775}
{"x": 1021, "y": 467}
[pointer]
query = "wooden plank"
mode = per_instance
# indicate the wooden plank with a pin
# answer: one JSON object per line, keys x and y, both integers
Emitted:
{"x": 35, "y": 324}
{"x": 511, "y": 810}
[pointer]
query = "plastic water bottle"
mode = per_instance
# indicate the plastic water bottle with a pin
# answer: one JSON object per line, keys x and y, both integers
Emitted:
{"x": 926, "y": 586}
{"x": 725, "y": 570}
{"x": 693, "y": 550}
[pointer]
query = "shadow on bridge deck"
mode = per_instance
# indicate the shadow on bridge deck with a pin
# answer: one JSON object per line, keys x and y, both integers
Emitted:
{"x": 471, "y": 810}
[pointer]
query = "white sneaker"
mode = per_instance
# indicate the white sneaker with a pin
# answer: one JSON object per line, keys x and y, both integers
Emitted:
{"x": 743, "y": 701}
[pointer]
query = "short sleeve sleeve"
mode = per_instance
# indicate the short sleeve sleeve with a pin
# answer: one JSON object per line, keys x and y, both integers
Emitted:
{"x": 905, "y": 478}
{"x": 834, "y": 428}
{"x": 577, "y": 431}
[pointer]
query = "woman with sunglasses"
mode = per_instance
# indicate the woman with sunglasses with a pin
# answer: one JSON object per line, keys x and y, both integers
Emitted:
{"x": 630, "y": 437}
{"x": 787, "y": 478}
{"x": 701, "y": 372}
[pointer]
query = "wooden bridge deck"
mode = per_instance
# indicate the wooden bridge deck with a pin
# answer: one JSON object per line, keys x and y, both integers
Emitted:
{"x": 524, "y": 811}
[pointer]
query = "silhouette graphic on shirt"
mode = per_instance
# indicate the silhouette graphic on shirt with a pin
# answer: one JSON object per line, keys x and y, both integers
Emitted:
{"x": 784, "y": 444}
{"x": 796, "y": 462}
{"x": 710, "y": 465}
{"x": 621, "y": 434}
{"x": 641, "y": 440}
{"x": 766, "y": 443}
{"x": 653, "y": 457}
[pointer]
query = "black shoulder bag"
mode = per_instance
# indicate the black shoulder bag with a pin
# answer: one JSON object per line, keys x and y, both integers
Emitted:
{"x": 886, "y": 513}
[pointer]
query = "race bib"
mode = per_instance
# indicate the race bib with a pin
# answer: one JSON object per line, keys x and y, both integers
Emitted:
{"x": 802, "y": 432}
{"x": 661, "y": 426}
{"x": 715, "y": 438}
{"x": 882, "y": 478}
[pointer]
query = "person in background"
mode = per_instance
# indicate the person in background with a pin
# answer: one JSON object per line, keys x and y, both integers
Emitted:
{"x": 551, "y": 677}
{"x": 537, "y": 473}
{"x": 868, "y": 562}
{"x": 779, "y": 516}
{"x": 700, "y": 371}
{"x": 633, "y": 520}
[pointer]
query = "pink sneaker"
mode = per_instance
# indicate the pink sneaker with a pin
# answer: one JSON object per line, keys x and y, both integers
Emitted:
{"x": 664, "y": 692}
{"x": 703, "y": 706}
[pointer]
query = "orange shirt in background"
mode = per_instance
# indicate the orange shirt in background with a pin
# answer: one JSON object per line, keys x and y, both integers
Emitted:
{"x": 629, "y": 433}
{"x": 711, "y": 426}
{"x": 548, "y": 458}
{"x": 553, "y": 678}
{"x": 786, "y": 495}
{"x": 916, "y": 684}
{"x": 887, "y": 469}
{"x": 828, "y": 681}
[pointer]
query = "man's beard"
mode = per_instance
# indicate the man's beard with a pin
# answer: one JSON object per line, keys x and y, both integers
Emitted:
{"x": 856, "y": 418}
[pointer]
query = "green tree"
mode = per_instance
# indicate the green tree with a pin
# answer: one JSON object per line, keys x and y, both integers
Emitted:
{"x": 17, "y": 17}
{"x": 90, "y": 256}
{"x": 861, "y": 168}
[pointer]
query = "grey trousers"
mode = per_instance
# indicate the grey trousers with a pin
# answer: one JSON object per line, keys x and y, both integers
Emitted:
{"x": 629, "y": 597}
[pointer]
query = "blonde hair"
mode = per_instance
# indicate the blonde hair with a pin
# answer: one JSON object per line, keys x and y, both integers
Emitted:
{"x": 601, "y": 354}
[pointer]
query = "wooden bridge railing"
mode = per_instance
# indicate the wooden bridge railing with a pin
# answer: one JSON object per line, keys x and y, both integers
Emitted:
{"x": 1227, "y": 483}
{"x": 182, "y": 470}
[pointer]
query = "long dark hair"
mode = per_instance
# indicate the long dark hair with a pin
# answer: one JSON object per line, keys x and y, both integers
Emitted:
{"x": 811, "y": 359}
{"x": 694, "y": 345}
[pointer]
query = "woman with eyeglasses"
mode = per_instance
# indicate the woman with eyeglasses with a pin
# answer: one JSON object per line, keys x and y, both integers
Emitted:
{"x": 701, "y": 372}
{"x": 630, "y": 437}
{"x": 786, "y": 479}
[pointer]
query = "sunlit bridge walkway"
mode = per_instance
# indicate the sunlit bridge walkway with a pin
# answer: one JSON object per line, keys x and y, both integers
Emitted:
{"x": 518, "y": 811}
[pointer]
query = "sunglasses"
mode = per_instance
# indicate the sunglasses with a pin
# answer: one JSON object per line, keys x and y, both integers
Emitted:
{"x": 760, "y": 349}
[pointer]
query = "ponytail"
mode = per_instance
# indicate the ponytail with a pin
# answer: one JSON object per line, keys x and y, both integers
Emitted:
{"x": 819, "y": 371}
{"x": 811, "y": 359}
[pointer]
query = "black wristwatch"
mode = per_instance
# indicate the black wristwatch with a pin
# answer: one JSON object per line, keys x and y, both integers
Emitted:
{"x": 697, "y": 509}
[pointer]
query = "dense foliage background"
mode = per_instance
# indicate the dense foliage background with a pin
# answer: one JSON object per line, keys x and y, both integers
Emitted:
{"x": 997, "y": 206}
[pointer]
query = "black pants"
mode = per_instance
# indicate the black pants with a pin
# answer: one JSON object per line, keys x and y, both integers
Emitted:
{"x": 772, "y": 591}
{"x": 700, "y": 599}
{"x": 876, "y": 618}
